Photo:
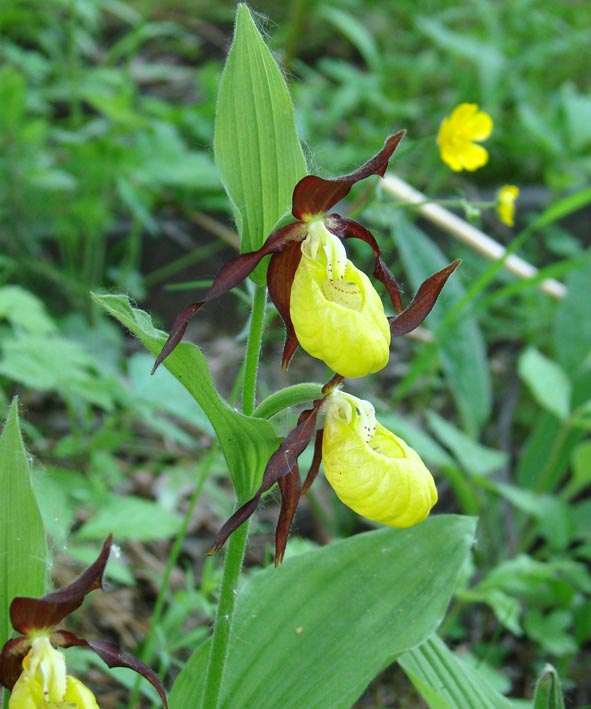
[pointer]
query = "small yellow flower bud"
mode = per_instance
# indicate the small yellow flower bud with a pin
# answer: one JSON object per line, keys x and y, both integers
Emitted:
{"x": 43, "y": 683}
{"x": 372, "y": 471}
{"x": 337, "y": 314}
{"x": 506, "y": 204}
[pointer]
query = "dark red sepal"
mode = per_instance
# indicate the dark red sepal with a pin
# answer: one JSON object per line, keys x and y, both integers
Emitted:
{"x": 232, "y": 273}
{"x": 280, "y": 275}
{"x": 280, "y": 464}
{"x": 176, "y": 332}
{"x": 316, "y": 460}
{"x": 112, "y": 656}
{"x": 291, "y": 488}
{"x": 348, "y": 229}
{"x": 11, "y": 660}
{"x": 31, "y": 614}
{"x": 422, "y": 304}
{"x": 315, "y": 195}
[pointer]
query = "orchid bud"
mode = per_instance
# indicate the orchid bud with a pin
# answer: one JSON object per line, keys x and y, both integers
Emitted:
{"x": 337, "y": 314}
{"x": 372, "y": 471}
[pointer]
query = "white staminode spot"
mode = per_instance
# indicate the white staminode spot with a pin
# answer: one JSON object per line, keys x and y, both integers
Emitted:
{"x": 358, "y": 413}
{"x": 51, "y": 665}
{"x": 320, "y": 239}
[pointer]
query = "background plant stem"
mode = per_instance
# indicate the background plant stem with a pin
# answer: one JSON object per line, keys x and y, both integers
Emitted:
{"x": 237, "y": 542}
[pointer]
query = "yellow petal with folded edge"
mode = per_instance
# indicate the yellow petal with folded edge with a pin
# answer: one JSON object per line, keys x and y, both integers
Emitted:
{"x": 26, "y": 694}
{"x": 372, "y": 471}
{"x": 79, "y": 695}
{"x": 336, "y": 312}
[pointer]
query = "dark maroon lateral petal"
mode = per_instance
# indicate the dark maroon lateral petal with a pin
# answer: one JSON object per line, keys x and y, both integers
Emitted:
{"x": 11, "y": 660}
{"x": 280, "y": 464}
{"x": 291, "y": 488}
{"x": 296, "y": 441}
{"x": 176, "y": 332}
{"x": 239, "y": 517}
{"x": 315, "y": 195}
{"x": 112, "y": 656}
{"x": 280, "y": 275}
{"x": 316, "y": 460}
{"x": 346, "y": 228}
{"x": 231, "y": 274}
{"x": 422, "y": 304}
{"x": 30, "y": 614}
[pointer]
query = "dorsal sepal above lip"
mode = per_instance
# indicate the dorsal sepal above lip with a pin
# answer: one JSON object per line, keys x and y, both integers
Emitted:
{"x": 313, "y": 196}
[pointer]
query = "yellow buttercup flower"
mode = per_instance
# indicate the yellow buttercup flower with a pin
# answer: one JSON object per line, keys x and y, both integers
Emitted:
{"x": 372, "y": 471}
{"x": 44, "y": 683}
{"x": 458, "y": 134}
{"x": 336, "y": 312}
{"x": 506, "y": 204}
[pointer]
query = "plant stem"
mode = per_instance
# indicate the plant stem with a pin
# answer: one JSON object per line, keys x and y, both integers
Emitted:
{"x": 223, "y": 624}
{"x": 237, "y": 544}
{"x": 253, "y": 349}
{"x": 290, "y": 396}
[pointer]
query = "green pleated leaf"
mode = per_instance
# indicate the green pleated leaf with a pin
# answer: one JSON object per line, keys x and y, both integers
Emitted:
{"x": 315, "y": 631}
{"x": 548, "y": 694}
{"x": 247, "y": 442}
{"x": 256, "y": 147}
{"x": 460, "y": 344}
{"x": 23, "y": 547}
{"x": 447, "y": 682}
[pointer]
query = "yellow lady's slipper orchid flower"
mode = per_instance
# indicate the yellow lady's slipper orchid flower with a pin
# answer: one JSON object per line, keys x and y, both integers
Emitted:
{"x": 506, "y": 204}
{"x": 372, "y": 471}
{"x": 310, "y": 280}
{"x": 457, "y": 136}
{"x": 32, "y": 667}
{"x": 337, "y": 314}
{"x": 44, "y": 682}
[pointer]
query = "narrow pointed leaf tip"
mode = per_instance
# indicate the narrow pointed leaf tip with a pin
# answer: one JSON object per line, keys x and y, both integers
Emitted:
{"x": 256, "y": 146}
{"x": 315, "y": 195}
